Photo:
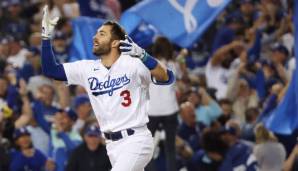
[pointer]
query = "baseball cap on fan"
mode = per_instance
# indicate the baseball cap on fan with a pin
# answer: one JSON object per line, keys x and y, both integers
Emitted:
{"x": 20, "y": 132}
{"x": 68, "y": 112}
{"x": 92, "y": 130}
{"x": 59, "y": 35}
{"x": 13, "y": 2}
{"x": 6, "y": 39}
{"x": 228, "y": 130}
{"x": 79, "y": 100}
{"x": 281, "y": 48}
{"x": 71, "y": 114}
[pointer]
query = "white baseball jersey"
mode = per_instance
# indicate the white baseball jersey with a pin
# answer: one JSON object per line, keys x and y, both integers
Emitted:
{"x": 118, "y": 95}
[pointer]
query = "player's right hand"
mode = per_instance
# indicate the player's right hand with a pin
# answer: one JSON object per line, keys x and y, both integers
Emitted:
{"x": 128, "y": 47}
{"x": 47, "y": 24}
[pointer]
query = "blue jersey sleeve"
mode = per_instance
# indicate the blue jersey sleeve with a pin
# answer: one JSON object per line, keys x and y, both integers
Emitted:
{"x": 168, "y": 82}
{"x": 50, "y": 67}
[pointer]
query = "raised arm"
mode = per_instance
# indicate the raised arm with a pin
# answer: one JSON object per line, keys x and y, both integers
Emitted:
{"x": 220, "y": 54}
{"x": 160, "y": 73}
{"x": 26, "y": 116}
{"x": 50, "y": 67}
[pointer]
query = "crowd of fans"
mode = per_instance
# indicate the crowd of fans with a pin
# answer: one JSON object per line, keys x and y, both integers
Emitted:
{"x": 227, "y": 84}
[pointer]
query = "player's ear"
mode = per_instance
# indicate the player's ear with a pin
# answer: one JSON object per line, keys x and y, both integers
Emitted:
{"x": 115, "y": 43}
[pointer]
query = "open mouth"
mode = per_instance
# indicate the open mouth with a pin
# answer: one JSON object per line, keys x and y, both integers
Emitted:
{"x": 95, "y": 44}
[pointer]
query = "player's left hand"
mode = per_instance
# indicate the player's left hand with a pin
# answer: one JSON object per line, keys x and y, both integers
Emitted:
{"x": 128, "y": 47}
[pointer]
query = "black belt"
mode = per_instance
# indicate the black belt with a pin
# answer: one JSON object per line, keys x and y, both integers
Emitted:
{"x": 115, "y": 136}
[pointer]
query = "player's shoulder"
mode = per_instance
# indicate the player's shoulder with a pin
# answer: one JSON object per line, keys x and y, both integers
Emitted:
{"x": 131, "y": 60}
{"x": 127, "y": 57}
{"x": 83, "y": 65}
{"x": 86, "y": 62}
{"x": 89, "y": 61}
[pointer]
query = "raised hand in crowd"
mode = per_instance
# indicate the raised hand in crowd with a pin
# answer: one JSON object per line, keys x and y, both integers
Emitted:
{"x": 222, "y": 53}
{"x": 26, "y": 115}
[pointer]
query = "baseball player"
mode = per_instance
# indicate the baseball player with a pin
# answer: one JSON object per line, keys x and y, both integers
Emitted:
{"x": 117, "y": 85}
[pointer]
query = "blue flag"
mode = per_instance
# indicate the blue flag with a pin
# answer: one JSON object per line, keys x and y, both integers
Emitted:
{"x": 284, "y": 119}
{"x": 84, "y": 28}
{"x": 182, "y": 21}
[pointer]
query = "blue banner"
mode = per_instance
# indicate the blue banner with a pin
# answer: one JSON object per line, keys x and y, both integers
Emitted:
{"x": 284, "y": 119}
{"x": 182, "y": 21}
{"x": 84, "y": 28}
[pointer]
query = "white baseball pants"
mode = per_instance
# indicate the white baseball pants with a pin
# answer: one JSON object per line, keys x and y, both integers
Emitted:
{"x": 131, "y": 153}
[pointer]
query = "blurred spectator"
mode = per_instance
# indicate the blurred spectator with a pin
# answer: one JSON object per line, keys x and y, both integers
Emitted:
{"x": 180, "y": 67}
{"x": 251, "y": 115}
{"x": 269, "y": 153}
{"x": 15, "y": 24}
{"x": 271, "y": 15}
{"x": 35, "y": 40}
{"x": 26, "y": 157}
{"x": 265, "y": 78}
{"x": 32, "y": 65}
{"x": 213, "y": 153}
{"x": 226, "y": 33}
{"x": 219, "y": 67}
{"x": 5, "y": 159}
{"x": 60, "y": 47}
{"x": 43, "y": 108}
{"x": 280, "y": 54}
{"x": 279, "y": 58}
{"x": 91, "y": 155}
{"x": 37, "y": 81}
{"x": 287, "y": 31}
{"x": 63, "y": 138}
{"x": 68, "y": 8}
{"x": 242, "y": 95}
{"x": 40, "y": 138}
{"x": 105, "y": 9}
{"x": 248, "y": 12}
{"x": 227, "y": 111}
{"x": 277, "y": 92}
{"x": 2, "y": 21}
{"x": 62, "y": 8}
{"x": 190, "y": 130}
{"x": 239, "y": 154}
{"x": 17, "y": 56}
{"x": 65, "y": 29}
{"x": 163, "y": 105}
{"x": 207, "y": 109}
{"x": 83, "y": 110}
{"x": 4, "y": 48}
{"x": 4, "y": 150}
{"x": 184, "y": 154}
{"x": 9, "y": 99}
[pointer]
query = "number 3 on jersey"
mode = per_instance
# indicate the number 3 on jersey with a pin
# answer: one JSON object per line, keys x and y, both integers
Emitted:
{"x": 126, "y": 98}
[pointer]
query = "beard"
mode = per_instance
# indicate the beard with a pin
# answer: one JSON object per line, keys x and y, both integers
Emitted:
{"x": 102, "y": 49}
